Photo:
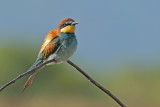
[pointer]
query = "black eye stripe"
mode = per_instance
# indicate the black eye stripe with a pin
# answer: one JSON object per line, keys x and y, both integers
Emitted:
{"x": 67, "y": 24}
{"x": 64, "y": 25}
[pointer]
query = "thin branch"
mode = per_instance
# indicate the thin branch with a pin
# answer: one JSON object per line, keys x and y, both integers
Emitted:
{"x": 24, "y": 74}
{"x": 75, "y": 66}
{"x": 97, "y": 84}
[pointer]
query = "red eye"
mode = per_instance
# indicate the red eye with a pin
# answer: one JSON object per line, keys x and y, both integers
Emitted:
{"x": 64, "y": 24}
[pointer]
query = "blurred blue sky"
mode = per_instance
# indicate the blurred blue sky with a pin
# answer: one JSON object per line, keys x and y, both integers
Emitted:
{"x": 110, "y": 31}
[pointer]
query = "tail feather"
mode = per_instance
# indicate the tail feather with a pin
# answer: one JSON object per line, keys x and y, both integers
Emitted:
{"x": 32, "y": 77}
{"x": 30, "y": 80}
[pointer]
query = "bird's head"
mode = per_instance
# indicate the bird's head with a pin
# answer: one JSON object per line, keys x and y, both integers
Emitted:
{"x": 67, "y": 25}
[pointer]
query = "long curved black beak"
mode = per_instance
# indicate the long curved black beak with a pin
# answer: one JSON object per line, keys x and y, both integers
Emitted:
{"x": 74, "y": 23}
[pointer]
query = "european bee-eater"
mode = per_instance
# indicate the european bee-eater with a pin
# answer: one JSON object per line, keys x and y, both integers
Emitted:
{"x": 59, "y": 45}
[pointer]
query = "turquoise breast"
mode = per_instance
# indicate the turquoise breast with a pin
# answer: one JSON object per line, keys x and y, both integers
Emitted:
{"x": 68, "y": 45}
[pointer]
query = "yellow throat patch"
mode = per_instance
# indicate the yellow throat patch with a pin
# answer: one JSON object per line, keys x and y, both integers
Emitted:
{"x": 68, "y": 29}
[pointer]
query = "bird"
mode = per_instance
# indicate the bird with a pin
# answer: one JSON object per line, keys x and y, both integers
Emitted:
{"x": 59, "y": 45}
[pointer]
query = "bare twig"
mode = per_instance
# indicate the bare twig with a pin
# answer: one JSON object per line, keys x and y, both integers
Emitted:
{"x": 97, "y": 84}
{"x": 24, "y": 74}
{"x": 75, "y": 66}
